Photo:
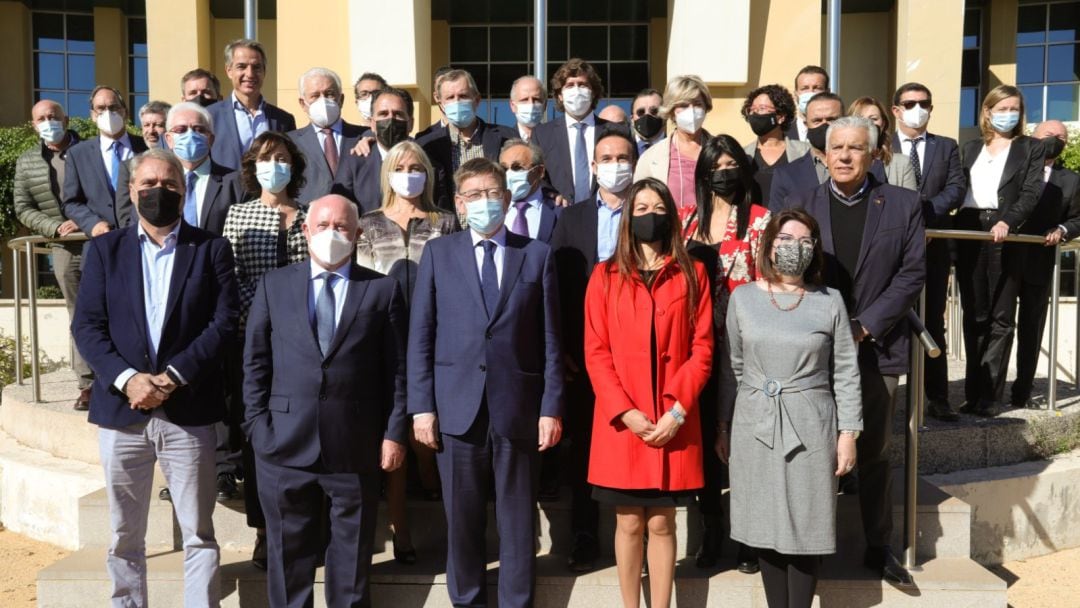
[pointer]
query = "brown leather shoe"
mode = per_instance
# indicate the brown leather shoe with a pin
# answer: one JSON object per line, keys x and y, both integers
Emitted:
{"x": 82, "y": 404}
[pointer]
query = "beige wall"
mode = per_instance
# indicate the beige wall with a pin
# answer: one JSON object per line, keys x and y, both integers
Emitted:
{"x": 16, "y": 68}
{"x": 929, "y": 49}
{"x": 864, "y": 57}
{"x": 298, "y": 51}
{"x": 999, "y": 46}
{"x": 227, "y": 30}
{"x": 111, "y": 50}
{"x": 179, "y": 38}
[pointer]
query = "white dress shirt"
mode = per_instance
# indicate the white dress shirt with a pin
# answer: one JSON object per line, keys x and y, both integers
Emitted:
{"x": 905, "y": 148}
{"x": 107, "y": 153}
{"x": 499, "y": 238}
{"x": 800, "y": 125}
{"x": 340, "y": 289}
{"x": 590, "y": 137}
{"x": 532, "y": 212}
{"x": 985, "y": 178}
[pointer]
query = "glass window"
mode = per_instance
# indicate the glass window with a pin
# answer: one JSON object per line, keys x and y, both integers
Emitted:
{"x": 63, "y": 58}
{"x": 1061, "y": 102}
{"x": 972, "y": 28}
{"x": 48, "y": 32}
{"x": 1048, "y": 59}
{"x": 969, "y": 107}
{"x": 1062, "y": 63}
{"x": 138, "y": 64}
{"x": 1033, "y": 103}
{"x": 1029, "y": 64}
{"x": 970, "y": 70}
{"x": 1064, "y": 22}
{"x": 1031, "y": 24}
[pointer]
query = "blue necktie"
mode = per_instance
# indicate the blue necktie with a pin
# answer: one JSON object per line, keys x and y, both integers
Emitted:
{"x": 582, "y": 177}
{"x": 489, "y": 278}
{"x": 191, "y": 207}
{"x": 324, "y": 313}
{"x": 118, "y": 152}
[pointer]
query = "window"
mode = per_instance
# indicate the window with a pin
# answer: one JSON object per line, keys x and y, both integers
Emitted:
{"x": 1048, "y": 60}
{"x": 138, "y": 78}
{"x": 971, "y": 68}
{"x": 64, "y": 59}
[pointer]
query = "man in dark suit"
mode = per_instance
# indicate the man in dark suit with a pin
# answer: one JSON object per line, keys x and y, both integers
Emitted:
{"x": 940, "y": 177}
{"x": 157, "y": 304}
{"x": 358, "y": 176}
{"x": 810, "y": 81}
{"x": 92, "y": 169}
{"x": 808, "y": 171}
{"x": 485, "y": 382}
{"x": 874, "y": 244}
{"x": 324, "y": 386}
{"x": 328, "y": 139}
{"x": 242, "y": 116}
{"x": 532, "y": 213}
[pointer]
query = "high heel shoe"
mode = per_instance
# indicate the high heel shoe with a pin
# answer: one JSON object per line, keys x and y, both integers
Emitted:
{"x": 403, "y": 556}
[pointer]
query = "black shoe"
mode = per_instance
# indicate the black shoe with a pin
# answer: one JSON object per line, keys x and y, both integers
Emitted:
{"x": 746, "y": 560}
{"x": 82, "y": 404}
{"x": 884, "y": 563}
{"x": 403, "y": 556}
{"x": 940, "y": 410}
{"x": 707, "y": 553}
{"x": 258, "y": 556}
{"x": 165, "y": 495}
{"x": 583, "y": 555}
{"x": 969, "y": 407}
{"x": 226, "y": 487}
{"x": 987, "y": 408}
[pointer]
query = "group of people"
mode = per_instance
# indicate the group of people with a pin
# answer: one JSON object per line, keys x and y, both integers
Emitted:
{"x": 338, "y": 312}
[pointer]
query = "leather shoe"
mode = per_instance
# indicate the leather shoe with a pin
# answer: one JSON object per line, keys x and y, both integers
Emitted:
{"x": 583, "y": 555}
{"x": 987, "y": 408}
{"x": 882, "y": 561}
{"x": 165, "y": 495}
{"x": 226, "y": 487}
{"x": 746, "y": 561}
{"x": 258, "y": 556}
{"x": 940, "y": 410}
{"x": 82, "y": 404}
{"x": 706, "y": 556}
{"x": 403, "y": 556}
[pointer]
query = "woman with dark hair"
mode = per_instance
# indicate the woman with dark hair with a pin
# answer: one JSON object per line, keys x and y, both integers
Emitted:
{"x": 725, "y": 235}
{"x": 770, "y": 110}
{"x": 798, "y": 409}
{"x": 898, "y": 169}
{"x": 647, "y": 308}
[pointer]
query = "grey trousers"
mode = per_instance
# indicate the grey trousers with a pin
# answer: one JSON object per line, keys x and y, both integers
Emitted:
{"x": 186, "y": 456}
{"x": 67, "y": 264}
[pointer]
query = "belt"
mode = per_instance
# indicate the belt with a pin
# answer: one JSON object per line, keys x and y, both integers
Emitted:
{"x": 777, "y": 421}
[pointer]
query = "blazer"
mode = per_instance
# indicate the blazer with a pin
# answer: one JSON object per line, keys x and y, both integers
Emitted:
{"x": 792, "y": 130}
{"x": 88, "y": 194}
{"x": 438, "y": 146}
{"x": 1021, "y": 179}
{"x": 226, "y": 149}
{"x": 574, "y": 242}
{"x": 222, "y": 191}
{"x": 793, "y": 149}
{"x": 549, "y": 217}
{"x": 302, "y": 408}
{"x": 890, "y": 271}
{"x": 551, "y": 137}
{"x": 793, "y": 178}
{"x": 359, "y": 179}
{"x": 200, "y": 320}
{"x": 1059, "y": 205}
{"x": 460, "y": 359}
{"x": 318, "y": 178}
{"x": 898, "y": 172}
{"x": 943, "y": 181}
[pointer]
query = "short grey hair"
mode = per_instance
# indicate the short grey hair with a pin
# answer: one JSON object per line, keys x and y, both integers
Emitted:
{"x": 189, "y": 106}
{"x": 154, "y": 107}
{"x": 543, "y": 89}
{"x": 854, "y": 122}
{"x": 331, "y": 74}
{"x": 536, "y": 154}
{"x": 246, "y": 43}
{"x": 157, "y": 154}
{"x": 454, "y": 76}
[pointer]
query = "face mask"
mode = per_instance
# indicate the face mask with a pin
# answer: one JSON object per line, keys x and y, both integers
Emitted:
{"x": 408, "y": 185}
{"x": 190, "y": 146}
{"x": 204, "y": 101}
{"x": 51, "y": 131}
{"x": 1053, "y": 147}
{"x": 689, "y": 119}
{"x": 460, "y": 113}
{"x": 816, "y": 136}
{"x": 110, "y": 122}
{"x": 792, "y": 259}
{"x": 651, "y": 227}
{"x": 761, "y": 124}
{"x": 364, "y": 105}
{"x": 159, "y": 206}
{"x": 1003, "y": 122}
{"x": 272, "y": 175}
{"x": 485, "y": 215}
{"x": 724, "y": 182}
{"x": 517, "y": 182}
{"x": 648, "y": 126}
{"x": 614, "y": 177}
{"x": 330, "y": 247}
{"x": 804, "y": 98}
{"x": 528, "y": 114}
{"x": 324, "y": 112}
{"x": 915, "y": 118}
{"x": 577, "y": 101}
{"x": 391, "y": 131}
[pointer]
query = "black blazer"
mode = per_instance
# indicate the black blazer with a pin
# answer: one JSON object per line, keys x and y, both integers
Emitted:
{"x": 1059, "y": 205}
{"x": 436, "y": 143}
{"x": 551, "y": 137}
{"x": 359, "y": 179}
{"x": 226, "y": 149}
{"x": 88, "y": 194}
{"x": 222, "y": 191}
{"x": 319, "y": 180}
{"x": 1021, "y": 180}
{"x": 574, "y": 242}
{"x": 798, "y": 176}
{"x": 944, "y": 183}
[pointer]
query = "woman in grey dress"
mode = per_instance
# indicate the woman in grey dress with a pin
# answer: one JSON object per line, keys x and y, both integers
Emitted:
{"x": 798, "y": 409}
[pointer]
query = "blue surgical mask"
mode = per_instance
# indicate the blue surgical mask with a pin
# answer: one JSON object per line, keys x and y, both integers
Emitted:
{"x": 190, "y": 146}
{"x": 1003, "y": 122}
{"x": 529, "y": 114}
{"x": 485, "y": 215}
{"x": 460, "y": 113}
{"x": 804, "y": 98}
{"x": 272, "y": 175}
{"x": 51, "y": 131}
{"x": 517, "y": 182}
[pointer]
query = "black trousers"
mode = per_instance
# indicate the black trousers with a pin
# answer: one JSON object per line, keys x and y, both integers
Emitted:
{"x": 1034, "y": 300}
{"x": 234, "y": 453}
{"x": 938, "y": 262}
{"x": 872, "y": 449}
{"x": 584, "y": 511}
{"x": 789, "y": 580}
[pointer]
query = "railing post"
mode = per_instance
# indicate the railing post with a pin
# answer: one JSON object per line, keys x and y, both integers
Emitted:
{"x": 1076, "y": 316}
{"x": 956, "y": 319}
{"x": 31, "y": 281}
{"x": 1055, "y": 301}
{"x": 16, "y": 273}
{"x": 911, "y": 458}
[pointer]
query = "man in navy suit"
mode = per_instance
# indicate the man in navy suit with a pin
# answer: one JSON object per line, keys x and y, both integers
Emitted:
{"x": 92, "y": 169}
{"x": 940, "y": 178}
{"x": 532, "y": 212}
{"x": 358, "y": 177}
{"x": 157, "y": 304}
{"x": 808, "y": 171}
{"x": 324, "y": 386}
{"x": 874, "y": 243}
{"x": 242, "y": 116}
{"x": 486, "y": 382}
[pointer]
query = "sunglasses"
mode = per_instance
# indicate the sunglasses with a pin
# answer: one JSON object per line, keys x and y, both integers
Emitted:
{"x": 911, "y": 103}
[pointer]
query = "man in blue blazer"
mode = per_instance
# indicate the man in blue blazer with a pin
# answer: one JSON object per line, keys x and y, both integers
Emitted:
{"x": 808, "y": 171}
{"x": 532, "y": 213}
{"x": 324, "y": 388}
{"x": 157, "y": 304}
{"x": 486, "y": 382}
{"x": 242, "y": 116}
{"x": 874, "y": 244}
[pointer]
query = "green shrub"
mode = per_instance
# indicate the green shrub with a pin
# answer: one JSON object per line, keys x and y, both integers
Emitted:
{"x": 49, "y": 292}
{"x": 7, "y": 360}
{"x": 1070, "y": 157}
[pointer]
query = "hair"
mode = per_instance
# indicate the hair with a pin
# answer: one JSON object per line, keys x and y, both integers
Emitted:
{"x": 826, "y": 96}
{"x": 393, "y": 157}
{"x": 619, "y": 132}
{"x": 478, "y": 167}
{"x": 994, "y": 97}
{"x": 884, "y": 139}
{"x": 154, "y": 107}
{"x": 684, "y": 89}
{"x": 201, "y": 73}
{"x": 857, "y": 122}
{"x": 157, "y": 154}
{"x": 435, "y": 78}
{"x": 647, "y": 92}
{"x": 371, "y": 76}
{"x": 908, "y": 87}
{"x": 326, "y": 73}
{"x": 456, "y": 75}
{"x": 711, "y": 152}
{"x": 779, "y": 96}
{"x": 104, "y": 87}
{"x": 265, "y": 142}
{"x": 812, "y": 69}
{"x": 189, "y": 106}
{"x": 543, "y": 89}
{"x": 244, "y": 43}
{"x": 399, "y": 93}
{"x": 536, "y": 155}
{"x": 766, "y": 270}
{"x": 570, "y": 69}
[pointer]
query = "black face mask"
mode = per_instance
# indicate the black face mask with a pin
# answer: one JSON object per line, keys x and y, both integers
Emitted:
{"x": 1052, "y": 147}
{"x": 761, "y": 124}
{"x": 725, "y": 182}
{"x": 648, "y": 125}
{"x": 159, "y": 206}
{"x": 651, "y": 227}
{"x": 816, "y": 136}
{"x": 391, "y": 131}
{"x": 204, "y": 101}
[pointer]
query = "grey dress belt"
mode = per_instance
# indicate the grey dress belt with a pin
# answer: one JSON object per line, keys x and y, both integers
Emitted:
{"x": 777, "y": 420}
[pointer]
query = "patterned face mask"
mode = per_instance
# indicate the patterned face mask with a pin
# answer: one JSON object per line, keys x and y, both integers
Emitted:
{"x": 793, "y": 257}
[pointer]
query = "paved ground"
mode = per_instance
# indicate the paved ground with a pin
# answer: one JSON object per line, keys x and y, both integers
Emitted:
{"x": 22, "y": 557}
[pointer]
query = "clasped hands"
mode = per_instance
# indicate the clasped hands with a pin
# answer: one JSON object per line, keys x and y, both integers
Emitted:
{"x": 653, "y": 434}
{"x": 147, "y": 391}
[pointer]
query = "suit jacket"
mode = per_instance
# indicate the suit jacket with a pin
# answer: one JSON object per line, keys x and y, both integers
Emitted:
{"x": 574, "y": 242}
{"x": 458, "y": 358}
{"x": 551, "y": 137}
{"x": 1021, "y": 179}
{"x": 88, "y": 194}
{"x": 226, "y": 149}
{"x": 890, "y": 271}
{"x": 793, "y": 149}
{"x": 792, "y": 130}
{"x": 302, "y": 407}
{"x": 943, "y": 182}
{"x": 792, "y": 179}
{"x": 222, "y": 191}
{"x": 436, "y": 142}
{"x": 318, "y": 178}
{"x": 1059, "y": 205}
{"x": 200, "y": 320}
{"x": 359, "y": 180}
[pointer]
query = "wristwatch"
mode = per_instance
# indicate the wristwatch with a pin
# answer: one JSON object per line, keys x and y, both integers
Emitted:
{"x": 173, "y": 376}
{"x": 679, "y": 418}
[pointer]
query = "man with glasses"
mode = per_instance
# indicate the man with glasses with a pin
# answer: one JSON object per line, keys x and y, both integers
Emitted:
{"x": 645, "y": 117}
{"x": 365, "y": 87}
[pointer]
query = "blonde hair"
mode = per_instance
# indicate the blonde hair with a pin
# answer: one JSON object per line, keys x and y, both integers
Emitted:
{"x": 682, "y": 90}
{"x": 393, "y": 157}
{"x": 994, "y": 97}
{"x": 884, "y": 139}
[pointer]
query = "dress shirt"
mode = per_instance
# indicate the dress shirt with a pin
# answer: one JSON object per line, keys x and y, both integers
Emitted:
{"x": 521, "y": 133}
{"x": 499, "y": 238}
{"x": 985, "y": 178}
{"x": 590, "y": 137}
{"x": 532, "y": 212}
{"x": 905, "y": 148}
{"x": 334, "y": 128}
{"x": 202, "y": 180}
{"x": 340, "y": 288}
{"x": 248, "y": 125}
{"x": 800, "y": 126}
{"x": 854, "y": 199}
{"x": 107, "y": 153}
{"x": 607, "y": 229}
{"x": 644, "y": 144}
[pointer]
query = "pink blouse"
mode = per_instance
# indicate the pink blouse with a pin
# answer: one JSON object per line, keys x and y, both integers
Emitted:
{"x": 681, "y": 181}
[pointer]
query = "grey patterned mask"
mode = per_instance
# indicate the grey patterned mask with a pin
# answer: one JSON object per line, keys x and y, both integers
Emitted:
{"x": 793, "y": 258}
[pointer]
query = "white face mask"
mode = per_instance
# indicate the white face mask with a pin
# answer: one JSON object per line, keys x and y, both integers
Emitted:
{"x": 915, "y": 118}
{"x": 614, "y": 177}
{"x": 110, "y": 122}
{"x": 51, "y": 131}
{"x": 331, "y": 247}
{"x": 577, "y": 101}
{"x": 324, "y": 112}
{"x": 364, "y": 105}
{"x": 528, "y": 114}
{"x": 408, "y": 185}
{"x": 689, "y": 119}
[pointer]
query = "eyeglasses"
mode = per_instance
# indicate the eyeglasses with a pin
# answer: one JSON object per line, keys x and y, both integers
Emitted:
{"x": 911, "y": 103}
{"x": 643, "y": 111}
{"x": 361, "y": 94}
{"x": 475, "y": 195}
{"x": 784, "y": 238}
{"x": 110, "y": 108}
{"x": 762, "y": 109}
{"x": 181, "y": 129}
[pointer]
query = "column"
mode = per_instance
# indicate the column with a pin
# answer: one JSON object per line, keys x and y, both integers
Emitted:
{"x": 178, "y": 35}
{"x": 111, "y": 50}
{"x": 929, "y": 50}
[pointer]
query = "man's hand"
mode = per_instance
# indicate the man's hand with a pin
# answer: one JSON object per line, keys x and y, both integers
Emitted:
{"x": 858, "y": 332}
{"x": 666, "y": 428}
{"x": 550, "y": 429}
{"x": 999, "y": 230}
{"x": 165, "y": 383}
{"x": 363, "y": 146}
{"x": 1054, "y": 237}
{"x": 560, "y": 201}
{"x": 638, "y": 423}
{"x": 100, "y": 228}
{"x": 723, "y": 443}
{"x": 67, "y": 228}
{"x": 426, "y": 429}
{"x": 142, "y": 393}
{"x": 393, "y": 455}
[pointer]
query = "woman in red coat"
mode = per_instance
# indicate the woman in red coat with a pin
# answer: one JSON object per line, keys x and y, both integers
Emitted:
{"x": 648, "y": 349}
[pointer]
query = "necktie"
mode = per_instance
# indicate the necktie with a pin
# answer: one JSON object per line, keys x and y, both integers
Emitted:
{"x": 521, "y": 223}
{"x": 489, "y": 278}
{"x": 324, "y": 313}
{"x": 191, "y": 207}
{"x": 330, "y": 150}
{"x": 118, "y": 153}
{"x": 916, "y": 164}
{"x": 582, "y": 177}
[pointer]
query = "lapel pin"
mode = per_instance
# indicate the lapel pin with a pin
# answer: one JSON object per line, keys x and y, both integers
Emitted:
{"x": 879, "y": 199}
